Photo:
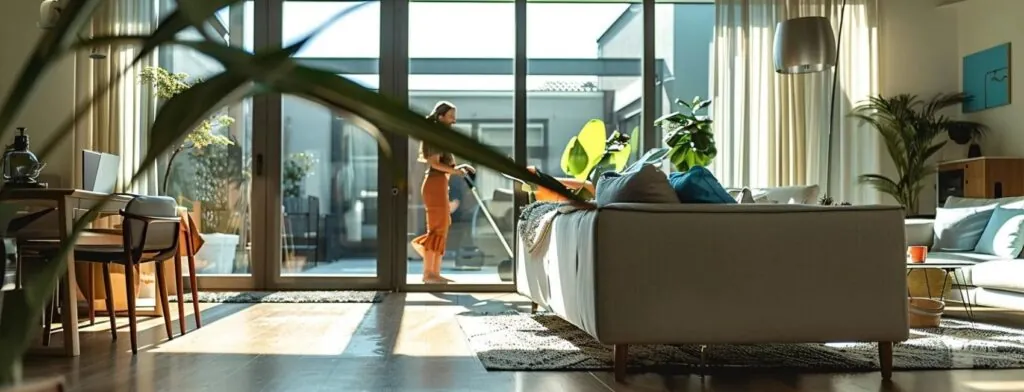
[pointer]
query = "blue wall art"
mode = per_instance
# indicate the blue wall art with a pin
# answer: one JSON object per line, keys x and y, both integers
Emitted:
{"x": 987, "y": 78}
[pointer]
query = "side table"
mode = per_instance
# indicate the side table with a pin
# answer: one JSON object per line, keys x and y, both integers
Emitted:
{"x": 950, "y": 268}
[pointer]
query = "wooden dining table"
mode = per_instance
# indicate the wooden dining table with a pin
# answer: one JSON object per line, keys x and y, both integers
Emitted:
{"x": 71, "y": 205}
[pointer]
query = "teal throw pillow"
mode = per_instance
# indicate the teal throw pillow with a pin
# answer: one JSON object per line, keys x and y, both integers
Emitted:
{"x": 699, "y": 186}
{"x": 1002, "y": 236}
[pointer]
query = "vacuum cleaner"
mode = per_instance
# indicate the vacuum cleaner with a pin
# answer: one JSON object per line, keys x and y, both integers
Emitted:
{"x": 505, "y": 266}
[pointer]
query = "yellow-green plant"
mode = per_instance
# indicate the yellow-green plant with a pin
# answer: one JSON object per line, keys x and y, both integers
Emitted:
{"x": 246, "y": 74}
{"x": 589, "y": 154}
{"x": 167, "y": 85}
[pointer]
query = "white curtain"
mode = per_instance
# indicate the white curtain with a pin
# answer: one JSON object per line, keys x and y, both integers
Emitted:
{"x": 119, "y": 121}
{"x": 772, "y": 129}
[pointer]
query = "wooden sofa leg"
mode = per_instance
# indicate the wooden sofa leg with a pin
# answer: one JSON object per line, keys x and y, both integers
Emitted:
{"x": 621, "y": 356}
{"x": 885, "y": 359}
{"x": 533, "y": 307}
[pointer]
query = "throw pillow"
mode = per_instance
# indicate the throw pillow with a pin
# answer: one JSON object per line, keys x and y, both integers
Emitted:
{"x": 647, "y": 185}
{"x": 1002, "y": 236}
{"x": 698, "y": 185}
{"x": 960, "y": 229}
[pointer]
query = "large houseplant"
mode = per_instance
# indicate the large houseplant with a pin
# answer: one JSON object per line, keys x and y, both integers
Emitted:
{"x": 909, "y": 127}
{"x": 688, "y": 135}
{"x": 220, "y": 176}
{"x": 245, "y": 74}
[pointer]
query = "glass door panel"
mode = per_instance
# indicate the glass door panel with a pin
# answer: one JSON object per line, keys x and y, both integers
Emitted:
{"x": 329, "y": 167}
{"x": 471, "y": 67}
{"x": 214, "y": 182}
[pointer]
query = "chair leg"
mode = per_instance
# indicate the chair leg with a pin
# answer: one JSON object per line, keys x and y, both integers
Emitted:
{"x": 91, "y": 295}
{"x": 129, "y": 284}
{"x": 108, "y": 291}
{"x": 161, "y": 294}
{"x": 51, "y": 306}
{"x": 179, "y": 285}
{"x": 621, "y": 357}
{"x": 885, "y": 359}
{"x": 192, "y": 280}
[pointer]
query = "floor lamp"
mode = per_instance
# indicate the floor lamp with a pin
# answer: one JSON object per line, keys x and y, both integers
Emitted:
{"x": 807, "y": 45}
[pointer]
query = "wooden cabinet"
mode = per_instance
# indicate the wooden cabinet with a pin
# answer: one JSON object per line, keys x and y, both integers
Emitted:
{"x": 983, "y": 178}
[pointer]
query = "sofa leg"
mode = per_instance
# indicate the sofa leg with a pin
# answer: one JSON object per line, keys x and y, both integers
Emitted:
{"x": 885, "y": 359}
{"x": 533, "y": 307}
{"x": 621, "y": 355}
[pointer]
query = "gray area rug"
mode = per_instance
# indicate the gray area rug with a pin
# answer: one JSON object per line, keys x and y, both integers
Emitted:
{"x": 295, "y": 297}
{"x": 519, "y": 341}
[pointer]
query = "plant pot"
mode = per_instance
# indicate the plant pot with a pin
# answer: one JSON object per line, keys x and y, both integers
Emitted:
{"x": 974, "y": 151}
{"x": 218, "y": 253}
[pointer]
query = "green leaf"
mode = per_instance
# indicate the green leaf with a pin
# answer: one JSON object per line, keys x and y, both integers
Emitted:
{"x": 575, "y": 161}
{"x": 592, "y": 137}
{"x": 701, "y": 104}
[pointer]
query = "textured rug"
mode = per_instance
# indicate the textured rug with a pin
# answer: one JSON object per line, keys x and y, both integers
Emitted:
{"x": 518, "y": 341}
{"x": 294, "y": 297}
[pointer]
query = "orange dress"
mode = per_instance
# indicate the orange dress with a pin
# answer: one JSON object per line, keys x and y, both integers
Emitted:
{"x": 439, "y": 215}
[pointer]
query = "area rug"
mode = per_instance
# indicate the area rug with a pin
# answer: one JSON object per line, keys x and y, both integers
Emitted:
{"x": 518, "y": 341}
{"x": 295, "y": 297}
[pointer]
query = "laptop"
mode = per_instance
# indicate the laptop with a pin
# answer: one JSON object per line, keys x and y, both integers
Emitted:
{"x": 99, "y": 171}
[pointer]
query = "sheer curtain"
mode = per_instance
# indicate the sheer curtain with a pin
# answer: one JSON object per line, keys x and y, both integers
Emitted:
{"x": 772, "y": 129}
{"x": 119, "y": 121}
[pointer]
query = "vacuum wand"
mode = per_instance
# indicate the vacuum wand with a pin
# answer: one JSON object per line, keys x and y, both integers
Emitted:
{"x": 470, "y": 177}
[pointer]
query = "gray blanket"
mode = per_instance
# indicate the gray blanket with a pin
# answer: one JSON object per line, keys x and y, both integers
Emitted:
{"x": 535, "y": 221}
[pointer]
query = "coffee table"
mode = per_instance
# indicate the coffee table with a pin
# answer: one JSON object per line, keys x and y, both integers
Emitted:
{"x": 949, "y": 267}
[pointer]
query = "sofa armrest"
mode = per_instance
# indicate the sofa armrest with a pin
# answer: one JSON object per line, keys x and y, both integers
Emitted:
{"x": 919, "y": 232}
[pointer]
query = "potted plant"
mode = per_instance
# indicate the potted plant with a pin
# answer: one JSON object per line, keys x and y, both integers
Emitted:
{"x": 167, "y": 85}
{"x": 909, "y": 126}
{"x": 588, "y": 155}
{"x": 688, "y": 135}
{"x": 220, "y": 176}
{"x": 968, "y": 133}
{"x": 298, "y": 166}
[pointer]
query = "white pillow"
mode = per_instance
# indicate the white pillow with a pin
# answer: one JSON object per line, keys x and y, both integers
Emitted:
{"x": 959, "y": 229}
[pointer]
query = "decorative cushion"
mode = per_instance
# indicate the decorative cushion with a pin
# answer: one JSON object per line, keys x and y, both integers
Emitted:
{"x": 698, "y": 185}
{"x": 799, "y": 194}
{"x": 960, "y": 229}
{"x": 1002, "y": 235}
{"x": 647, "y": 185}
{"x": 961, "y": 202}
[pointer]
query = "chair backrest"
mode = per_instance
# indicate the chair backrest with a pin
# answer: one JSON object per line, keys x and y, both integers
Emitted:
{"x": 146, "y": 236}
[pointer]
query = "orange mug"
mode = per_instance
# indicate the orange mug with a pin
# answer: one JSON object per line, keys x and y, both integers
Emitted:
{"x": 917, "y": 253}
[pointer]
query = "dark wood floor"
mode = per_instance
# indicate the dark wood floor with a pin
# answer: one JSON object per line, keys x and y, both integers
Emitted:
{"x": 410, "y": 342}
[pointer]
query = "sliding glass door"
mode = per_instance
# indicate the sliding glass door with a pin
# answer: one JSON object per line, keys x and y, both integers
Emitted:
{"x": 328, "y": 168}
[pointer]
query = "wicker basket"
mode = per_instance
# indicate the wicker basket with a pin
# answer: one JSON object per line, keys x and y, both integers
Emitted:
{"x": 925, "y": 312}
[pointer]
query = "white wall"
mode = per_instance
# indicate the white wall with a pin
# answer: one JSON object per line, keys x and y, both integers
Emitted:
{"x": 982, "y": 24}
{"x": 918, "y": 55}
{"x": 52, "y": 101}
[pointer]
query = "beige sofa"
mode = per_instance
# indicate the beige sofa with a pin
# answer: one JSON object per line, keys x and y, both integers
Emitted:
{"x": 992, "y": 281}
{"x": 740, "y": 273}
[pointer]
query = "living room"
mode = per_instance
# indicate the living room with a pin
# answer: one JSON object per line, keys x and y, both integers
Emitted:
{"x": 298, "y": 260}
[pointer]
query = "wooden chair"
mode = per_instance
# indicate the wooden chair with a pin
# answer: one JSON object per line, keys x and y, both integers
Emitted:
{"x": 150, "y": 231}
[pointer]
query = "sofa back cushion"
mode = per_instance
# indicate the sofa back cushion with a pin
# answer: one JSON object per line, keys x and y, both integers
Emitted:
{"x": 1002, "y": 235}
{"x": 960, "y": 202}
{"x": 647, "y": 185}
{"x": 960, "y": 229}
{"x": 698, "y": 185}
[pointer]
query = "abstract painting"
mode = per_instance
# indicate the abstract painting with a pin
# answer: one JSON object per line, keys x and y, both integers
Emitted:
{"x": 986, "y": 78}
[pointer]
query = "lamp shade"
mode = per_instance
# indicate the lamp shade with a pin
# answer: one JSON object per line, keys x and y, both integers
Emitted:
{"x": 804, "y": 45}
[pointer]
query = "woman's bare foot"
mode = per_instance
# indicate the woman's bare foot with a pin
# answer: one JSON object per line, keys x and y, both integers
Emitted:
{"x": 435, "y": 280}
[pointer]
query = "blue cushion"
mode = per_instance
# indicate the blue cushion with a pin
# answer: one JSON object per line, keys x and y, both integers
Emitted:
{"x": 960, "y": 229}
{"x": 698, "y": 185}
{"x": 1002, "y": 235}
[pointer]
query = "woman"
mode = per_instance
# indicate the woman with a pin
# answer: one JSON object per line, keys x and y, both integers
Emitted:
{"x": 440, "y": 165}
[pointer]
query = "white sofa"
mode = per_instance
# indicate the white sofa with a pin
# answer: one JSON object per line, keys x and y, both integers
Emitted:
{"x": 739, "y": 273}
{"x": 993, "y": 281}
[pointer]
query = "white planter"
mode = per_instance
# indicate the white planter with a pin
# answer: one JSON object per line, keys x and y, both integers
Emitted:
{"x": 217, "y": 254}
